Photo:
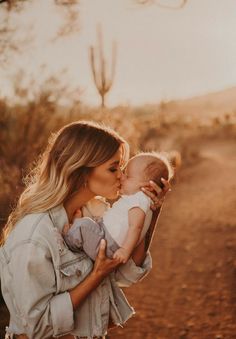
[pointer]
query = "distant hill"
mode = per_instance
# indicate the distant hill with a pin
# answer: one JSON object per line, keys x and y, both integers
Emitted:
{"x": 210, "y": 105}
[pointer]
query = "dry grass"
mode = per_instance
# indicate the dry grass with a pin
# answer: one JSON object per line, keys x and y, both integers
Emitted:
{"x": 24, "y": 130}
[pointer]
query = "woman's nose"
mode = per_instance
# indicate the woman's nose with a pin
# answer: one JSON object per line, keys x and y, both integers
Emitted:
{"x": 122, "y": 177}
{"x": 119, "y": 173}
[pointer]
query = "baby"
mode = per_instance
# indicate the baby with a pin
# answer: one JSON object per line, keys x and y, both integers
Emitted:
{"x": 124, "y": 224}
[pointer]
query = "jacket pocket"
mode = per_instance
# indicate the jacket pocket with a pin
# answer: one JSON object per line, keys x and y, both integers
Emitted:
{"x": 73, "y": 271}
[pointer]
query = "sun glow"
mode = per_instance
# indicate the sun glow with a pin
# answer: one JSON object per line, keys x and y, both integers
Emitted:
{"x": 162, "y": 54}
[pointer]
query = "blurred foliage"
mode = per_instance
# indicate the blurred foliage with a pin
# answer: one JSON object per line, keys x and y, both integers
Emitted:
{"x": 17, "y": 34}
{"x": 173, "y": 4}
{"x": 23, "y": 133}
{"x": 25, "y": 128}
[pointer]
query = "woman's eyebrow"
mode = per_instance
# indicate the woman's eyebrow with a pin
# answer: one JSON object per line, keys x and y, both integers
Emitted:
{"x": 117, "y": 162}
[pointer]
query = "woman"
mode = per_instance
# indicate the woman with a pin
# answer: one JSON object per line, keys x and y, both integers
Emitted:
{"x": 43, "y": 282}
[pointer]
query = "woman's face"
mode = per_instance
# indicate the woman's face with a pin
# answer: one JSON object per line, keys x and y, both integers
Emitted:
{"x": 104, "y": 180}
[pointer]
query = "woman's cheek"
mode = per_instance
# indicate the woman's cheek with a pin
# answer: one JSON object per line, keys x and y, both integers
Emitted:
{"x": 102, "y": 187}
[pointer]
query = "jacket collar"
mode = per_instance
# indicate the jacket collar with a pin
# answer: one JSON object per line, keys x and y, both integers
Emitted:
{"x": 59, "y": 216}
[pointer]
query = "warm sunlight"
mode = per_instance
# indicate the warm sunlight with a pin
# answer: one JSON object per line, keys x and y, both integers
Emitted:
{"x": 162, "y": 54}
{"x": 117, "y": 169}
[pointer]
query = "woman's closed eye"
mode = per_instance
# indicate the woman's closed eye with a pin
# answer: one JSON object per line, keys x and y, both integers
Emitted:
{"x": 113, "y": 169}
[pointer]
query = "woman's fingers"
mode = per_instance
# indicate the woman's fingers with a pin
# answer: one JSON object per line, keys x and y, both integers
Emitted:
{"x": 157, "y": 204}
{"x": 156, "y": 193}
{"x": 155, "y": 187}
{"x": 150, "y": 194}
{"x": 167, "y": 185}
{"x": 102, "y": 249}
{"x": 104, "y": 265}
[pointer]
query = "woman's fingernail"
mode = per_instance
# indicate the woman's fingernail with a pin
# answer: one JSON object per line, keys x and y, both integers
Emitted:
{"x": 143, "y": 189}
{"x": 151, "y": 182}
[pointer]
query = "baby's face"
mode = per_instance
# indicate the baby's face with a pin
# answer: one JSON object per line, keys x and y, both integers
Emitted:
{"x": 133, "y": 177}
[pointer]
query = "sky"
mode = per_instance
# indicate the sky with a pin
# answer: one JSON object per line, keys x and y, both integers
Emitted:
{"x": 162, "y": 54}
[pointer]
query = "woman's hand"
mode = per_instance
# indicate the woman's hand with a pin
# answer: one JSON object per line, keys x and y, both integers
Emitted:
{"x": 104, "y": 265}
{"x": 157, "y": 194}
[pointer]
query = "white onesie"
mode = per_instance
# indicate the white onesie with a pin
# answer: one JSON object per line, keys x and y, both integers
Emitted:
{"x": 116, "y": 218}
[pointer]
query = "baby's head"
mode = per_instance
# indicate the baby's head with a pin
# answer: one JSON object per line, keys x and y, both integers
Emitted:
{"x": 144, "y": 167}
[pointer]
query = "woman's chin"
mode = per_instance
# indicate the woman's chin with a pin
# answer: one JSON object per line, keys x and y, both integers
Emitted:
{"x": 121, "y": 191}
{"x": 113, "y": 196}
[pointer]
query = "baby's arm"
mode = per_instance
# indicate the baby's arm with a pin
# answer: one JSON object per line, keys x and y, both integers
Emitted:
{"x": 136, "y": 222}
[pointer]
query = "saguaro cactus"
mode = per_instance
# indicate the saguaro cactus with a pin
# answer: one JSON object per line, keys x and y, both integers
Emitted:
{"x": 102, "y": 79}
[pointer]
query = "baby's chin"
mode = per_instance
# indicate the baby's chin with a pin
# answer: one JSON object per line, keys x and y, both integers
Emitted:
{"x": 123, "y": 191}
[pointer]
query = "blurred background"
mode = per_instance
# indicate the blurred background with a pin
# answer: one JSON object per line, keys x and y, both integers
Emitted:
{"x": 163, "y": 74}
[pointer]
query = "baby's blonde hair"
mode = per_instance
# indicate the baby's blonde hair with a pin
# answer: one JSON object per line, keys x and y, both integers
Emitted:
{"x": 71, "y": 154}
{"x": 157, "y": 166}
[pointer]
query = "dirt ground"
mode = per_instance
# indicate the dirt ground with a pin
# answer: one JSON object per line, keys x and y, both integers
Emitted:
{"x": 191, "y": 291}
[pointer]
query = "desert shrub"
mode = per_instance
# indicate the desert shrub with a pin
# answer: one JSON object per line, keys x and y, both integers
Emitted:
{"x": 24, "y": 131}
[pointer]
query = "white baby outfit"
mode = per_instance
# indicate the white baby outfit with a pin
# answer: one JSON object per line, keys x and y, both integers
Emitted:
{"x": 116, "y": 218}
{"x": 86, "y": 233}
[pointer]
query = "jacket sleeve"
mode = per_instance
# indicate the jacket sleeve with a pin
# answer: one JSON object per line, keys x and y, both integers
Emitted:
{"x": 129, "y": 273}
{"x": 33, "y": 285}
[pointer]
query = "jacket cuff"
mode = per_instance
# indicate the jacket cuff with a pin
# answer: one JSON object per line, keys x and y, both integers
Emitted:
{"x": 129, "y": 273}
{"x": 62, "y": 314}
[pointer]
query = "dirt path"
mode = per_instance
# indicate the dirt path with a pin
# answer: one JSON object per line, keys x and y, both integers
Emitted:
{"x": 191, "y": 291}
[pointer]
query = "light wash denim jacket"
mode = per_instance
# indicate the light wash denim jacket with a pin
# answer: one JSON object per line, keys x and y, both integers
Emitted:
{"x": 37, "y": 269}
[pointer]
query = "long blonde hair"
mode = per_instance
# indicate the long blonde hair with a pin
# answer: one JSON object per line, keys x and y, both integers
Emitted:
{"x": 71, "y": 153}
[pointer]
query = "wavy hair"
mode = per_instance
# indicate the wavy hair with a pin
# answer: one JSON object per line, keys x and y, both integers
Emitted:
{"x": 61, "y": 170}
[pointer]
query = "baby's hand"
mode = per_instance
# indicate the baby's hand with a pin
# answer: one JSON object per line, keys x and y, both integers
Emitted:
{"x": 78, "y": 214}
{"x": 65, "y": 229}
{"x": 122, "y": 255}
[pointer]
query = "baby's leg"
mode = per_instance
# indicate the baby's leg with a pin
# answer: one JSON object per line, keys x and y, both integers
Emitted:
{"x": 86, "y": 234}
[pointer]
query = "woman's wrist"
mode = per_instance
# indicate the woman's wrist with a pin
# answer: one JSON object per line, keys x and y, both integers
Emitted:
{"x": 151, "y": 229}
{"x": 97, "y": 275}
{"x": 139, "y": 254}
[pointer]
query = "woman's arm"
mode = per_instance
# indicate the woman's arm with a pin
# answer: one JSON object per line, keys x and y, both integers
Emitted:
{"x": 157, "y": 195}
{"x": 140, "y": 251}
{"x": 43, "y": 312}
{"x": 141, "y": 263}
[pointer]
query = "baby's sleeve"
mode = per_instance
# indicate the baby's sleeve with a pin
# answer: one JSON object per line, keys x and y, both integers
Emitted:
{"x": 139, "y": 200}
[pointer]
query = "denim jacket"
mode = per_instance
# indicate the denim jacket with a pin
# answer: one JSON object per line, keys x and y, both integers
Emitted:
{"x": 37, "y": 269}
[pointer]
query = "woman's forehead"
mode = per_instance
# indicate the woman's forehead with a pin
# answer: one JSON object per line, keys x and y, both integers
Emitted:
{"x": 115, "y": 159}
